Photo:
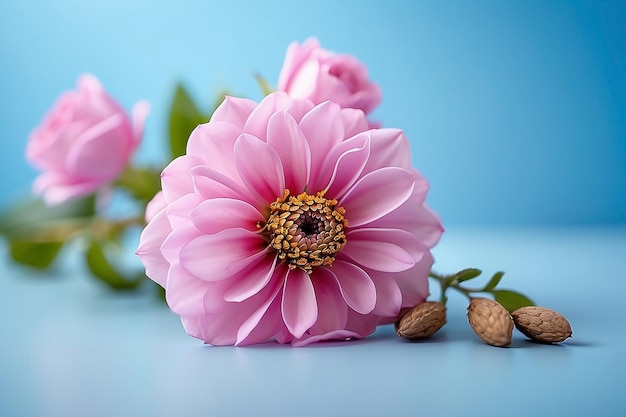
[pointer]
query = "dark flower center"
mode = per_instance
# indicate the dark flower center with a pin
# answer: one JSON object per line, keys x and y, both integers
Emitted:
{"x": 306, "y": 230}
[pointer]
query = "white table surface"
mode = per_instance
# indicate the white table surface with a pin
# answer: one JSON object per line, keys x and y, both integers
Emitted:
{"x": 72, "y": 348}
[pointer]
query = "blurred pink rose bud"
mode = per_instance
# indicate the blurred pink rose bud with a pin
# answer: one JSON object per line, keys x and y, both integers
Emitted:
{"x": 314, "y": 73}
{"x": 84, "y": 142}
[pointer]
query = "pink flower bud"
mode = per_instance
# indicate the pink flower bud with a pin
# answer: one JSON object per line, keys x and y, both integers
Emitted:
{"x": 314, "y": 73}
{"x": 84, "y": 142}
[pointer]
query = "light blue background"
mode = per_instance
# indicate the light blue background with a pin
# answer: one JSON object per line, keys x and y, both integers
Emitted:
{"x": 516, "y": 110}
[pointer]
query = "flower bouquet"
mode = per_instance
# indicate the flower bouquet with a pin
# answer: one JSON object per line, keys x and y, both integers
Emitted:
{"x": 295, "y": 219}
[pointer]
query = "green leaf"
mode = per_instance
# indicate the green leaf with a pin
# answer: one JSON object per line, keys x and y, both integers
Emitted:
{"x": 511, "y": 300}
{"x": 102, "y": 269}
{"x": 184, "y": 117}
{"x": 34, "y": 254}
{"x": 141, "y": 183}
{"x": 266, "y": 88}
{"x": 467, "y": 274}
{"x": 493, "y": 282}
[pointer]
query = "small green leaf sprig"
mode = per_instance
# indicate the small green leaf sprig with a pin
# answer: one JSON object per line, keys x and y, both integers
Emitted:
{"x": 511, "y": 300}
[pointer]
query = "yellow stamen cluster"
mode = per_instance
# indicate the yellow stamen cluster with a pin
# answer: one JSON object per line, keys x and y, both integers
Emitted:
{"x": 306, "y": 230}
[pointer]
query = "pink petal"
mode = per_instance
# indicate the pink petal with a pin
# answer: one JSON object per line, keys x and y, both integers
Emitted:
{"x": 390, "y": 148}
{"x": 149, "y": 250}
{"x": 303, "y": 83}
{"x": 215, "y": 329}
{"x": 259, "y": 117}
{"x": 178, "y": 211}
{"x": 182, "y": 234}
{"x": 213, "y": 216}
{"x": 299, "y": 306}
{"x": 376, "y": 194}
{"x": 323, "y": 129}
{"x": 175, "y": 178}
{"x": 356, "y": 286}
{"x": 258, "y": 326}
{"x": 415, "y": 218}
{"x": 260, "y": 168}
{"x": 155, "y": 205}
{"x": 185, "y": 293}
{"x": 222, "y": 255}
{"x": 284, "y": 135}
{"x": 234, "y": 110}
{"x": 430, "y": 229}
{"x": 252, "y": 279}
{"x": 213, "y": 143}
{"x": 333, "y": 335}
{"x": 354, "y": 121}
{"x": 388, "y": 295}
{"x": 211, "y": 184}
{"x": 385, "y": 250}
{"x": 57, "y": 188}
{"x": 346, "y": 162}
{"x": 294, "y": 57}
{"x": 413, "y": 283}
{"x": 100, "y": 151}
{"x": 332, "y": 310}
{"x": 363, "y": 326}
{"x": 222, "y": 326}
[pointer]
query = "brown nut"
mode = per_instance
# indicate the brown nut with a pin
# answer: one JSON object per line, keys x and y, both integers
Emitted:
{"x": 421, "y": 321}
{"x": 542, "y": 324}
{"x": 491, "y": 322}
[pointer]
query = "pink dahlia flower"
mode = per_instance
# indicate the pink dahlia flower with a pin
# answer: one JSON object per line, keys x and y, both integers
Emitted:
{"x": 84, "y": 142}
{"x": 290, "y": 221}
{"x": 312, "y": 72}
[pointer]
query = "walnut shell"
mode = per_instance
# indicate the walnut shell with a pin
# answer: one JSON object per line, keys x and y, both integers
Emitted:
{"x": 542, "y": 324}
{"x": 421, "y": 321}
{"x": 491, "y": 322}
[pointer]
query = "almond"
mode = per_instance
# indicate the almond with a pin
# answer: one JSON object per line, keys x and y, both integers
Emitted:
{"x": 422, "y": 321}
{"x": 542, "y": 324}
{"x": 491, "y": 322}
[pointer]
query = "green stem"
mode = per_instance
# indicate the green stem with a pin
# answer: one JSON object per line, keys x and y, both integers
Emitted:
{"x": 449, "y": 281}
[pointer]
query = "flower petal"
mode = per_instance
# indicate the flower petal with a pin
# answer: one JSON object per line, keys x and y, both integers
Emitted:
{"x": 266, "y": 321}
{"x": 376, "y": 194}
{"x": 252, "y": 279}
{"x": 323, "y": 129}
{"x": 101, "y": 151}
{"x": 390, "y": 148}
{"x": 346, "y": 162}
{"x": 213, "y": 143}
{"x": 234, "y": 110}
{"x": 178, "y": 211}
{"x": 284, "y": 135}
{"x": 357, "y": 288}
{"x": 333, "y": 312}
{"x": 220, "y": 256}
{"x": 259, "y": 117}
{"x": 175, "y": 178}
{"x": 149, "y": 250}
{"x": 217, "y": 214}
{"x": 211, "y": 184}
{"x": 184, "y": 292}
{"x": 354, "y": 121}
{"x": 388, "y": 295}
{"x": 299, "y": 305}
{"x": 260, "y": 168}
{"x": 385, "y": 250}
{"x": 413, "y": 283}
